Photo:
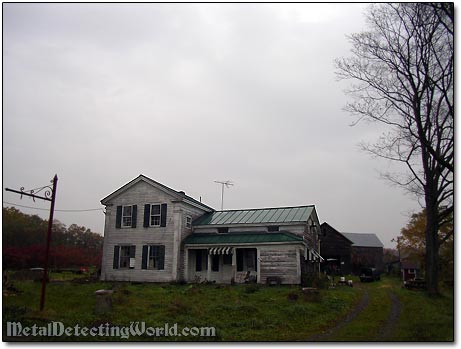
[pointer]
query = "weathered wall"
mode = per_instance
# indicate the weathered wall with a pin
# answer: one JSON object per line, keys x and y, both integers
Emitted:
{"x": 170, "y": 236}
{"x": 334, "y": 245}
{"x": 282, "y": 261}
{"x": 367, "y": 257}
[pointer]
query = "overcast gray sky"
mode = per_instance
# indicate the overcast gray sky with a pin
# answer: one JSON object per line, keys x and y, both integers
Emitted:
{"x": 187, "y": 94}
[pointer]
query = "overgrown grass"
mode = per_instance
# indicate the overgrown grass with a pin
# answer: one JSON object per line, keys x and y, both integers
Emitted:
{"x": 425, "y": 318}
{"x": 422, "y": 318}
{"x": 239, "y": 312}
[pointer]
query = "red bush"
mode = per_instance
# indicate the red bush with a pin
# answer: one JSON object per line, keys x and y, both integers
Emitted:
{"x": 60, "y": 257}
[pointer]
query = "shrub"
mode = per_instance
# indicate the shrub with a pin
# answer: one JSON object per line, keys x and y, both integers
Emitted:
{"x": 251, "y": 288}
{"x": 292, "y": 296}
{"x": 177, "y": 307}
{"x": 314, "y": 280}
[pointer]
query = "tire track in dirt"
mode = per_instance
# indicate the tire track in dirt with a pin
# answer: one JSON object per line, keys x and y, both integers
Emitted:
{"x": 361, "y": 306}
{"x": 394, "y": 314}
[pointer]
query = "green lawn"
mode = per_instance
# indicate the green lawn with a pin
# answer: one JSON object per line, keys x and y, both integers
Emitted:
{"x": 238, "y": 312}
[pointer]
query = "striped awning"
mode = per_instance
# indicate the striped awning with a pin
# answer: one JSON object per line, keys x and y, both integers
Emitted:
{"x": 220, "y": 250}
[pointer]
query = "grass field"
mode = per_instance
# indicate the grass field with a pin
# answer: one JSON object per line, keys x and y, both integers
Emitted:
{"x": 238, "y": 312}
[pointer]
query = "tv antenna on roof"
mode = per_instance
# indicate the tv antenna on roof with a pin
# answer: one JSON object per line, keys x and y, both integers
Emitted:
{"x": 227, "y": 184}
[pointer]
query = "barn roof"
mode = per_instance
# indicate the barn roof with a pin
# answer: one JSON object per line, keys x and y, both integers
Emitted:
{"x": 257, "y": 216}
{"x": 364, "y": 240}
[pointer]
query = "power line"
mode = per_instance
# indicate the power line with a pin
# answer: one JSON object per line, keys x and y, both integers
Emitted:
{"x": 47, "y": 209}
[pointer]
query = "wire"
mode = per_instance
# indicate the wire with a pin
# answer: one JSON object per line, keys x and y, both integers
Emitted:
{"x": 46, "y": 209}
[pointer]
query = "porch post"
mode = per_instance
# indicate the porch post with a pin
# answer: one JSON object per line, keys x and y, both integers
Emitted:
{"x": 234, "y": 263}
{"x": 298, "y": 266}
{"x": 208, "y": 270}
{"x": 186, "y": 264}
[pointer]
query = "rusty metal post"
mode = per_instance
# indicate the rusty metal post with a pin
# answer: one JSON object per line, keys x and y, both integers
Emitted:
{"x": 48, "y": 242}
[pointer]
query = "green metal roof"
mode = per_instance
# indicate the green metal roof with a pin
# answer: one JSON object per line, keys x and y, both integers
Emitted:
{"x": 241, "y": 238}
{"x": 256, "y": 216}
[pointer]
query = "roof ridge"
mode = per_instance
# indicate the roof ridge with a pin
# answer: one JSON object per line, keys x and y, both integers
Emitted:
{"x": 346, "y": 232}
{"x": 247, "y": 233}
{"x": 174, "y": 192}
{"x": 263, "y": 208}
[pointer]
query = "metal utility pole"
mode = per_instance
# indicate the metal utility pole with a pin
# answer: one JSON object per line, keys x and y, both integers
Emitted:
{"x": 398, "y": 249}
{"x": 48, "y": 191}
{"x": 227, "y": 184}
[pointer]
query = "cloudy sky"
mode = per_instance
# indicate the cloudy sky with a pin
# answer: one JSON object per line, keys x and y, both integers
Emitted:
{"x": 187, "y": 94}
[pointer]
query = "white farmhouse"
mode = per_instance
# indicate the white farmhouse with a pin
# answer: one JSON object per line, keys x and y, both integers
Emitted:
{"x": 156, "y": 234}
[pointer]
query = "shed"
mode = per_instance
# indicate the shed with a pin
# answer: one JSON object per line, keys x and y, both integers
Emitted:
{"x": 409, "y": 270}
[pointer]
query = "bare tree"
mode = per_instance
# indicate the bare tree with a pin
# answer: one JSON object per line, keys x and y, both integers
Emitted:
{"x": 402, "y": 73}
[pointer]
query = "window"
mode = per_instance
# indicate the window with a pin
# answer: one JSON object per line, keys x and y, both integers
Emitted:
{"x": 124, "y": 257}
{"x": 223, "y": 230}
{"x": 155, "y": 216}
{"x": 215, "y": 262}
{"x": 153, "y": 257}
{"x": 188, "y": 222}
{"x": 246, "y": 259}
{"x": 227, "y": 259}
{"x": 201, "y": 260}
{"x": 126, "y": 216}
{"x": 273, "y": 228}
{"x": 250, "y": 259}
{"x": 198, "y": 260}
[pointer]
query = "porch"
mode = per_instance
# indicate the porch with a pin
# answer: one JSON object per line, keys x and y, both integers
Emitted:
{"x": 222, "y": 264}
{"x": 245, "y": 257}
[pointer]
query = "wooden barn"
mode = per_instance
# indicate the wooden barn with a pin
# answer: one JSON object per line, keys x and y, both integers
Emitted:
{"x": 336, "y": 250}
{"x": 367, "y": 251}
{"x": 347, "y": 253}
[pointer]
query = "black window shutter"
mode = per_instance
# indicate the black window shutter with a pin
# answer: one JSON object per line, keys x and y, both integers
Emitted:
{"x": 145, "y": 251}
{"x": 132, "y": 251}
{"x": 163, "y": 215}
{"x": 161, "y": 257}
{"x": 118, "y": 219}
{"x": 116, "y": 256}
{"x": 134, "y": 216}
{"x": 146, "y": 215}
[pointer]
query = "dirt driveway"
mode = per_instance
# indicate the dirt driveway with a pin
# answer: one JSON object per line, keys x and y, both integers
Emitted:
{"x": 358, "y": 313}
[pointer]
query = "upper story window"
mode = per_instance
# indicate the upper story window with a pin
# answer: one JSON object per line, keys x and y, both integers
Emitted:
{"x": 273, "y": 228}
{"x": 188, "y": 222}
{"x": 126, "y": 216}
{"x": 224, "y": 230}
{"x": 155, "y": 215}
